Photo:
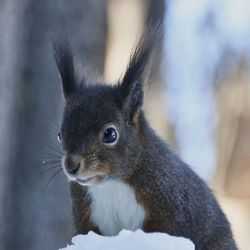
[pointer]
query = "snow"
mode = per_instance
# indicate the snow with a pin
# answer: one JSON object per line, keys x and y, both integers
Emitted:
{"x": 129, "y": 240}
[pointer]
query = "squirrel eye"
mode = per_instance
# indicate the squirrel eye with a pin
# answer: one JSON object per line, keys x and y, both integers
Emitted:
{"x": 109, "y": 135}
{"x": 59, "y": 137}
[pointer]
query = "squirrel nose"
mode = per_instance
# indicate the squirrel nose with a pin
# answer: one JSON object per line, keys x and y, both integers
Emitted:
{"x": 72, "y": 165}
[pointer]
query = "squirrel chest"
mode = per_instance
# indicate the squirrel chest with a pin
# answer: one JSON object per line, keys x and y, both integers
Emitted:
{"x": 114, "y": 207}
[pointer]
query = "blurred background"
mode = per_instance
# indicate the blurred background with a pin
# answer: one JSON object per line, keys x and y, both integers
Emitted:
{"x": 198, "y": 99}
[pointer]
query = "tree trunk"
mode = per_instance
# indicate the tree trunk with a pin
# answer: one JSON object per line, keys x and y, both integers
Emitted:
{"x": 35, "y": 215}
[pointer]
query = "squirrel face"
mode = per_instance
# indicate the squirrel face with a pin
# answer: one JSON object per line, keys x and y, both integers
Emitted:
{"x": 100, "y": 128}
{"x": 96, "y": 138}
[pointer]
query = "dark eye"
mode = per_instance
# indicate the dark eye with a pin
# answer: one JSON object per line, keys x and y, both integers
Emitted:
{"x": 109, "y": 135}
{"x": 59, "y": 137}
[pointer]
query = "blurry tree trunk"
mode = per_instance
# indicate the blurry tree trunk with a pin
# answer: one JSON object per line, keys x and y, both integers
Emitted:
{"x": 233, "y": 172}
{"x": 123, "y": 33}
{"x": 156, "y": 11}
{"x": 11, "y": 50}
{"x": 31, "y": 216}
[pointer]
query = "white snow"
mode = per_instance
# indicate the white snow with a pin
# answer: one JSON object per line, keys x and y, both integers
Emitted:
{"x": 130, "y": 240}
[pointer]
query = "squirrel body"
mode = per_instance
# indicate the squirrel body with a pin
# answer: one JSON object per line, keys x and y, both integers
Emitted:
{"x": 123, "y": 175}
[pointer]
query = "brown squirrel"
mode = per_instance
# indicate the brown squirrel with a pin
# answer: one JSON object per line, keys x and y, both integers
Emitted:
{"x": 122, "y": 175}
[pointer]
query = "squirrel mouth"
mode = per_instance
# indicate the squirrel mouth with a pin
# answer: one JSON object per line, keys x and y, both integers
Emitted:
{"x": 86, "y": 180}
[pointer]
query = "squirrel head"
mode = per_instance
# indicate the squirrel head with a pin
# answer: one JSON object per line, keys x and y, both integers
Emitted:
{"x": 100, "y": 130}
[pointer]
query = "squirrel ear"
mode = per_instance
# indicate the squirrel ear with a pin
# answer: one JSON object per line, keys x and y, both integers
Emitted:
{"x": 64, "y": 60}
{"x": 131, "y": 86}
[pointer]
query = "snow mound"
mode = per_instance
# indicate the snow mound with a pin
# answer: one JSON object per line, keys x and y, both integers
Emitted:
{"x": 129, "y": 240}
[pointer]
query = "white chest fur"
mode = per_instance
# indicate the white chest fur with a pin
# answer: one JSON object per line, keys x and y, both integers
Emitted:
{"x": 114, "y": 207}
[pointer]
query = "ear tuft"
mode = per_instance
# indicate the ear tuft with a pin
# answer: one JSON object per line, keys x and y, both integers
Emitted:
{"x": 64, "y": 60}
{"x": 131, "y": 86}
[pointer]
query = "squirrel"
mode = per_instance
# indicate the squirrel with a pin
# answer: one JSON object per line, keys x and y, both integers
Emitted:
{"x": 122, "y": 174}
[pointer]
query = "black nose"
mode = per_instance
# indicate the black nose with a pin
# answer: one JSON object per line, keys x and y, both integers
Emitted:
{"x": 72, "y": 165}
